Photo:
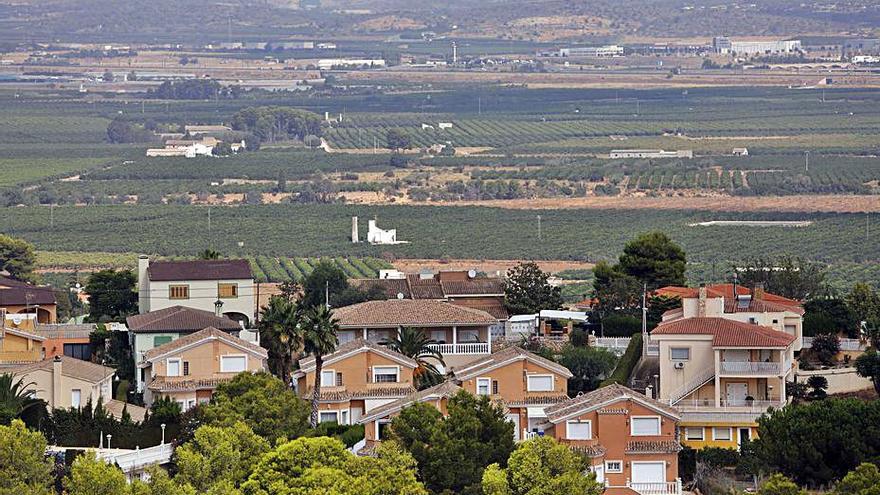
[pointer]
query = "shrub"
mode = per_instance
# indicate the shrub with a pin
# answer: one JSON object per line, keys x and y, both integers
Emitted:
{"x": 620, "y": 325}
{"x": 579, "y": 337}
{"x": 627, "y": 362}
{"x": 825, "y": 347}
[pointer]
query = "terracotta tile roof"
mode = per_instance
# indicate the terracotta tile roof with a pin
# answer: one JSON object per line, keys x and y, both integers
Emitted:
{"x": 169, "y": 271}
{"x": 21, "y": 333}
{"x": 445, "y": 390}
{"x": 775, "y": 302}
{"x": 473, "y": 287}
{"x": 65, "y": 330}
{"x": 115, "y": 408}
{"x": 341, "y": 394}
{"x": 188, "y": 384}
{"x": 206, "y": 334}
{"x": 307, "y": 364}
{"x": 538, "y": 400}
{"x": 179, "y": 319}
{"x": 389, "y": 286}
{"x": 495, "y": 307}
{"x": 602, "y": 397}
{"x": 504, "y": 357}
{"x": 16, "y": 293}
{"x": 761, "y": 306}
{"x": 408, "y": 312}
{"x": 652, "y": 447}
{"x": 595, "y": 450}
{"x": 726, "y": 333}
{"x": 428, "y": 288}
{"x": 72, "y": 367}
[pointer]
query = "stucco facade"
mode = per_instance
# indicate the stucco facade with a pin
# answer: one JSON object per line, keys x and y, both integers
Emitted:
{"x": 17, "y": 346}
{"x": 65, "y": 382}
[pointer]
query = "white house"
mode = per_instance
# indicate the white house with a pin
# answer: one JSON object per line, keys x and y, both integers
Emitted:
{"x": 223, "y": 287}
{"x": 375, "y": 235}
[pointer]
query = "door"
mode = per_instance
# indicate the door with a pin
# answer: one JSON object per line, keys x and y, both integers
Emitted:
{"x": 599, "y": 469}
{"x": 649, "y": 472}
{"x": 745, "y": 435}
{"x": 737, "y": 393}
{"x": 517, "y": 431}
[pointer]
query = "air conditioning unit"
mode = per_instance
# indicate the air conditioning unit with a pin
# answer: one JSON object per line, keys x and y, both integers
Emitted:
{"x": 679, "y": 365}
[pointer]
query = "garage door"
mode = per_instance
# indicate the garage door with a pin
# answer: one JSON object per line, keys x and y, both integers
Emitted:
{"x": 648, "y": 472}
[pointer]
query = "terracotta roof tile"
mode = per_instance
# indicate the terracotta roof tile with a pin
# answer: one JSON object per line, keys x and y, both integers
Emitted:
{"x": 726, "y": 333}
{"x": 206, "y": 334}
{"x": 72, "y": 367}
{"x": 652, "y": 447}
{"x": 407, "y": 312}
{"x": 307, "y": 364}
{"x": 188, "y": 384}
{"x": 446, "y": 390}
{"x": 179, "y": 319}
{"x": 166, "y": 271}
{"x": 428, "y": 288}
{"x": 115, "y": 407}
{"x": 16, "y": 293}
{"x": 773, "y": 302}
{"x": 389, "y": 286}
{"x": 474, "y": 286}
{"x": 507, "y": 355}
{"x": 599, "y": 397}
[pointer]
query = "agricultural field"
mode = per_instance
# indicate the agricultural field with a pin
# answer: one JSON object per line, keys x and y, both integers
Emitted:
{"x": 269, "y": 269}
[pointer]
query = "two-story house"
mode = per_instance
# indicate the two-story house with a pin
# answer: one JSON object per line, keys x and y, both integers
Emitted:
{"x": 630, "y": 439}
{"x": 523, "y": 381}
{"x": 189, "y": 368}
{"x": 156, "y": 328}
{"x": 225, "y": 287}
{"x": 461, "y": 334}
{"x": 64, "y": 382}
{"x": 722, "y": 374}
{"x": 355, "y": 379}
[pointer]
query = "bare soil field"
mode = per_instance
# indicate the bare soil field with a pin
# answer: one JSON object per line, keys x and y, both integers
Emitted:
{"x": 487, "y": 266}
{"x": 818, "y": 203}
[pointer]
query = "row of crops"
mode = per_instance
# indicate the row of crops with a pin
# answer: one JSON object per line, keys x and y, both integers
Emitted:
{"x": 269, "y": 269}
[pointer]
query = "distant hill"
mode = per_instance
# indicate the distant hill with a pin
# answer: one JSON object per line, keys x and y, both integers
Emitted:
{"x": 546, "y": 20}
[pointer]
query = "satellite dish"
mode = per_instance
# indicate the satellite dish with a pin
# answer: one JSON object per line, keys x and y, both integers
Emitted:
{"x": 400, "y": 295}
{"x": 472, "y": 273}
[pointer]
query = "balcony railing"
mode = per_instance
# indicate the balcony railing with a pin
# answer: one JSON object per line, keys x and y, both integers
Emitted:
{"x": 659, "y": 488}
{"x": 731, "y": 406}
{"x": 752, "y": 368}
{"x": 531, "y": 434}
{"x": 471, "y": 348}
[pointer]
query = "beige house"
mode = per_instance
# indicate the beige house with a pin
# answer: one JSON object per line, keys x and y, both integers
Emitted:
{"x": 722, "y": 374}
{"x": 65, "y": 382}
{"x": 359, "y": 377}
{"x": 189, "y": 368}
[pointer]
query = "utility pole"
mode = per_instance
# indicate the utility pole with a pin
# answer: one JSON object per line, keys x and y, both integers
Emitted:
{"x": 327, "y": 293}
{"x": 806, "y": 161}
{"x": 209, "y": 221}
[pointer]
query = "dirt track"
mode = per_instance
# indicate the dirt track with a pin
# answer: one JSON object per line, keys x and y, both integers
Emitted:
{"x": 825, "y": 203}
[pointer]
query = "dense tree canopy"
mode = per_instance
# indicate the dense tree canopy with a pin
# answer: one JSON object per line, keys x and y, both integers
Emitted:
{"x": 271, "y": 409}
{"x": 778, "y": 484}
{"x": 589, "y": 365}
{"x": 323, "y": 465}
{"x": 219, "y": 454}
{"x": 863, "y": 480}
{"x": 819, "y": 442}
{"x": 541, "y": 467}
{"x": 526, "y": 290}
{"x": 17, "y": 257}
{"x": 24, "y": 468}
{"x": 787, "y": 276}
{"x": 452, "y": 452}
{"x": 654, "y": 259}
{"x": 92, "y": 476}
{"x": 271, "y": 124}
{"x": 111, "y": 295}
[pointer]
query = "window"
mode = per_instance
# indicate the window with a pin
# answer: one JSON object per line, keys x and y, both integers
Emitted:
{"x": 494, "y": 387}
{"x": 227, "y": 291}
{"x": 645, "y": 426}
{"x": 344, "y": 417}
{"x": 178, "y": 292}
{"x": 438, "y": 336}
{"x": 468, "y": 335}
{"x": 75, "y": 398}
{"x": 78, "y": 351}
{"x": 186, "y": 368}
{"x": 329, "y": 417}
{"x": 680, "y": 353}
{"x": 724, "y": 434}
{"x": 613, "y": 466}
{"x": 338, "y": 379}
{"x": 385, "y": 374}
{"x": 328, "y": 378}
{"x": 382, "y": 428}
{"x": 233, "y": 364}
{"x": 579, "y": 430}
{"x": 160, "y": 340}
{"x": 539, "y": 383}
{"x": 483, "y": 386}
{"x": 172, "y": 367}
{"x": 693, "y": 433}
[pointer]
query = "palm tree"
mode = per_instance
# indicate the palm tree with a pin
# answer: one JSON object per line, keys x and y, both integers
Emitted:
{"x": 280, "y": 334}
{"x": 15, "y": 398}
{"x": 416, "y": 345}
{"x": 319, "y": 338}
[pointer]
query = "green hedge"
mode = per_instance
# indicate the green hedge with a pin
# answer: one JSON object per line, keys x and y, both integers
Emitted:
{"x": 627, "y": 362}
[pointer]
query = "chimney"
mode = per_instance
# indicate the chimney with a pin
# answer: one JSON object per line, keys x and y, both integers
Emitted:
{"x": 704, "y": 294}
{"x": 56, "y": 382}
{"x": 758, "y": 291}
{"x": 354, "y": 230}
{"x": 143, "y": 284}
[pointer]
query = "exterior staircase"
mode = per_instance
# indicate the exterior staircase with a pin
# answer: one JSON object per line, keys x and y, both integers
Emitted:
{"x": 694, "y": 383}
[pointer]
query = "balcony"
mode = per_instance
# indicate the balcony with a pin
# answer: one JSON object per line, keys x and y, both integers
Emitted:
{"x": 754, "y": 368}
{"x": 729, "y": 406}
{"x": 451, "y": 349}
{"x": 658, "y": 488}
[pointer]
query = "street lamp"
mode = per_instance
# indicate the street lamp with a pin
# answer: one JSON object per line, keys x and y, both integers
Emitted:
{"x": 218, "y": 306}
{"x": 163, "y": 433}
{"x": 109, "y": 436}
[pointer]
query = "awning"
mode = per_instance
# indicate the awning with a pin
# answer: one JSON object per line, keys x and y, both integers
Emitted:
{"x": 536, "y": 412}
